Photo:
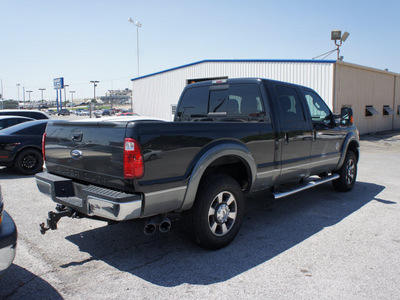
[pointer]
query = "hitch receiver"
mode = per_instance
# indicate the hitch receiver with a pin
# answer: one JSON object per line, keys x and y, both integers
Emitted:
{"x": 54, "y": 217}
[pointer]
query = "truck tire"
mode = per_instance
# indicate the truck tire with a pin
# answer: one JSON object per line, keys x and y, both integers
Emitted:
{"x": 28, "y": 161}
{"x": 347, "y": 173}
{"x": 217, "y": 213}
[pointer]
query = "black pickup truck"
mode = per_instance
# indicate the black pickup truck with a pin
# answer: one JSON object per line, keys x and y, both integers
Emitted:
{"x": 229, "y": 138}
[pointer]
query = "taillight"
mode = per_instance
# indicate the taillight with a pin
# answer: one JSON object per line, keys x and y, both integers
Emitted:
{"x": 43, "y": 146}
{"x": 133, "y": 160}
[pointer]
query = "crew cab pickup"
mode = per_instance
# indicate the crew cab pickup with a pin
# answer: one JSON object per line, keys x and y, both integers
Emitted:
{"x": 228, "y": 138}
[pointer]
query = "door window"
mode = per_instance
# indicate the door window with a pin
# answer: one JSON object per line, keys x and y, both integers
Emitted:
{"x": 289, "y": 103}
{"x": 319, "y": 111}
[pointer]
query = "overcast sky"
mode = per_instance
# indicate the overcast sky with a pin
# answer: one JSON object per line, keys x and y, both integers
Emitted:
{"x": 84, "y": 40}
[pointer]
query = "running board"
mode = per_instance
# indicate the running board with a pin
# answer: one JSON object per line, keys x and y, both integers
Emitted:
{"x": 306, "y": 186}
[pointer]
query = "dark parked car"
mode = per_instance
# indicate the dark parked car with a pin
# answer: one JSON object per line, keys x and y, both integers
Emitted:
{"x": 106, "y": 112}
{"x": 64, "y": 112}
{"x": 34, "y": 114}
{"x": 8, "y": 238}
{"x": 21, "y": 146}
{"x": 7, "y": 121}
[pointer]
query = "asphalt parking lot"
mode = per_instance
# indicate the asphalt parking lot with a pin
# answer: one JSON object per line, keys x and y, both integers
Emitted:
{"x": 319, "y": 244}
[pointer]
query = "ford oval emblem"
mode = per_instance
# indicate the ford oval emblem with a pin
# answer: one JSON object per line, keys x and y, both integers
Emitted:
{"x": 76, "y": 154}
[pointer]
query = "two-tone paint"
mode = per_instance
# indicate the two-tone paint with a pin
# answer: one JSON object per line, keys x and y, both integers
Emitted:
{"x": 260, "y": 154}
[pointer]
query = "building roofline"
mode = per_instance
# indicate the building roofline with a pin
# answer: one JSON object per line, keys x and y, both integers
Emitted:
{"x": 238, "y": 61}
{"x": 371, "y": 69}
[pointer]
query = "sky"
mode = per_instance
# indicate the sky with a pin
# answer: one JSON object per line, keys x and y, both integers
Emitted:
{"x": 84, "y": 40}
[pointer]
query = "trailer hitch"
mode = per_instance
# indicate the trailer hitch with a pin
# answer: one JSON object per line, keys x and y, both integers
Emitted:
{"x": 54, "y": 217}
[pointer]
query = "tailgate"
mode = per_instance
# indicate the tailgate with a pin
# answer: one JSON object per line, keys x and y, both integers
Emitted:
{"x": 88, "y": 151}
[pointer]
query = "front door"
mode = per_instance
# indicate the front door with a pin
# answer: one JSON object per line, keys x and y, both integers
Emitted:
{"x": 327, "y": 139}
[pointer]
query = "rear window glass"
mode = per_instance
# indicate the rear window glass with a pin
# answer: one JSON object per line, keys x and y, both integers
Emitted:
{"x": 235, "y": 102}
{"x": 194, "y": 103}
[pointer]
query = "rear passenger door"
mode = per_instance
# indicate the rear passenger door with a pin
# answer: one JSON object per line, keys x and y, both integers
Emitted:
{"x": 295, "y": 135}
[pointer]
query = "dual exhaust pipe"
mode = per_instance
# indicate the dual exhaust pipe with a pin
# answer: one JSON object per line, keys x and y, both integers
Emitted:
{"x": 162, "y": 222}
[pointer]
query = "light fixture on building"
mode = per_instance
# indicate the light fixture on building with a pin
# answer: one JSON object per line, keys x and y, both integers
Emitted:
{"x": 336, "y": 35}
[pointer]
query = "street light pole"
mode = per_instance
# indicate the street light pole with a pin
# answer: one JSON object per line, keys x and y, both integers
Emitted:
{"x": 65, "y": 93}
{"x": 138, "y": 25}
{"x": 29, "y": 92}
{"x": 41, "y": 90}
{"x": 72, "y": 97}
{"x": 95, "y": 82}
{"x": 18, "y": 84}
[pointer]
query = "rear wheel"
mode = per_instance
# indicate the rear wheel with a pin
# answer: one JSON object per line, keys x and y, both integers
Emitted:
{"x": 217, "y": 213}
{"x": 347, "y": 173}
{"x": 29, "y": 162}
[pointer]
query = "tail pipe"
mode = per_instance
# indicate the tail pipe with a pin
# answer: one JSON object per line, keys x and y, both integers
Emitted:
{"x": 165, "y": 225}
{"x": 162, "y": 222}
{"x": 150, "y": 226}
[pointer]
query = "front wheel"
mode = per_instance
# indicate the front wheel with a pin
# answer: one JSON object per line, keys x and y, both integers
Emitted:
{"x": 217, "y": 213}
{"x": 347, "y": 173}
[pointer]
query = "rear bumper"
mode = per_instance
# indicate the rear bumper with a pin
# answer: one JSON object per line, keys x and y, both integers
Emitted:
{"x": 8, "y": 241}
{"x": 89, "y": 199}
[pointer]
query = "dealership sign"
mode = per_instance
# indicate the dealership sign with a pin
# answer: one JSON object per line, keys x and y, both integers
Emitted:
{"x": 58, "y": 83}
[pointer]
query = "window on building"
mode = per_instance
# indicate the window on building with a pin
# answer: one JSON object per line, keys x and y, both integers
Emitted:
{"x": 370, "y": 111}
{"x": 387, "y": 110}
{"x": 173, "y": 108}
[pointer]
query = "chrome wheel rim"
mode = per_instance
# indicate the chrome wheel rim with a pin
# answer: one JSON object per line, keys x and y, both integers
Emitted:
{"x": 350, "y": 171}
{"x": 222, "y": 213}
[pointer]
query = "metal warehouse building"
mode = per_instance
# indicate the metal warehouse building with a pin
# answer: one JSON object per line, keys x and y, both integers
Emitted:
{"x": 373, "y": 94}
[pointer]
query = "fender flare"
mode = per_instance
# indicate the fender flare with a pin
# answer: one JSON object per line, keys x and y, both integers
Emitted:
{"x": 218, "y": 151}
{"x": 350, "y": 138}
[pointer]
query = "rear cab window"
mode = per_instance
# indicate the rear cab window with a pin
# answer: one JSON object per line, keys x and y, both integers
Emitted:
{"x": 225, "y": 103}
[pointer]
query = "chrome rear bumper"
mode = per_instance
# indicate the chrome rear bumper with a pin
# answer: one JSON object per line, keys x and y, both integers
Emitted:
{"x": 89, "y": 199}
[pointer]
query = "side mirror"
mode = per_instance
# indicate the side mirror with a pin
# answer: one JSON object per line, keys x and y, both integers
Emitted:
{"x": 346, "y": 116}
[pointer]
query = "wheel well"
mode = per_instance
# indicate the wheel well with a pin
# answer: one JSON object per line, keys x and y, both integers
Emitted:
{"x": 355, "y": 148}
{"x": 232, "y": 166}
{"x": 25, "y": 149}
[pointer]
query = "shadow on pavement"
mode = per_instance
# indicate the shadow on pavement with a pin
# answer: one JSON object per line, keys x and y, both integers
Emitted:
{"x": 269, "y": 229}
{"x": 10, "y": 173}
{"x": 19, "y": 283}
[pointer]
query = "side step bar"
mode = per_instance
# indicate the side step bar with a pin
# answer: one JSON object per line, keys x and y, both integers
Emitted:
{"x": 306, "y": 186}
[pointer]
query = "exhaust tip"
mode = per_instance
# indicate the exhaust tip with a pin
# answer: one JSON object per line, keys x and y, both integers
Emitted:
{"x": 150, "y": 229}
{"x": 165, "y": 225}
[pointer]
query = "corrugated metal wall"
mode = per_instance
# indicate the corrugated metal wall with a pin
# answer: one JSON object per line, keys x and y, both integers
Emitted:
{"x": 360, "y": 86}
{"x": 153, "y": 95}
